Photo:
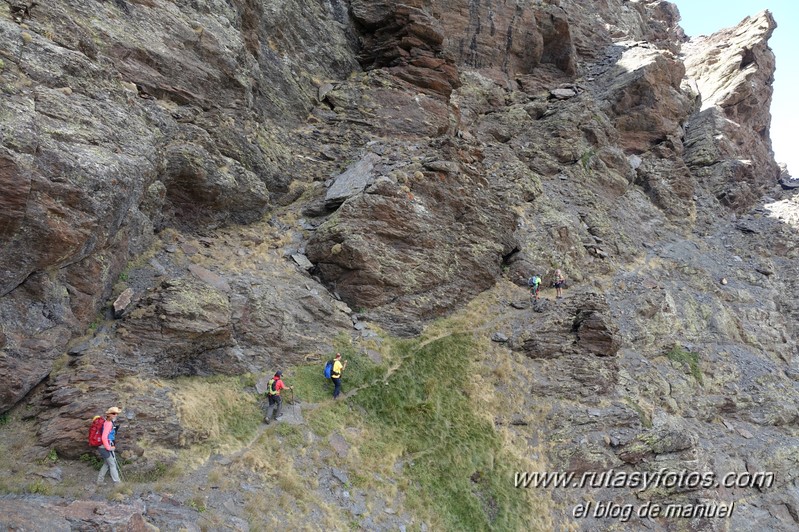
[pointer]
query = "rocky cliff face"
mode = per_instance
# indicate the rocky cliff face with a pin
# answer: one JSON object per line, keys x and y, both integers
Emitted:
{"x": 259, "y": 177}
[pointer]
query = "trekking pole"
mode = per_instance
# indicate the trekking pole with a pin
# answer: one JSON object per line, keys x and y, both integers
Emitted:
{"x": 293, "y": 402}
{"x": 119, "y": 469}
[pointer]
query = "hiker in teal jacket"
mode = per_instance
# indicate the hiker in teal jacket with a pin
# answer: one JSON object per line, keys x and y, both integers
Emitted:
{"x": 535, "y": 284}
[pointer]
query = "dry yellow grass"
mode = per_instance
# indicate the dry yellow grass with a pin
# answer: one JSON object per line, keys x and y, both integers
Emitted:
{"x": 218, "y": 416}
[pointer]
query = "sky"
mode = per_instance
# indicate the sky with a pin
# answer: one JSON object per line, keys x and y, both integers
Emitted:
{"x": 703, "y": 17}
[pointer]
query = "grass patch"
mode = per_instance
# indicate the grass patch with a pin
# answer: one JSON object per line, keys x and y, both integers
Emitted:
{"x": 93, "y": 460}
{"x": 460, "y": 475}
{"x": 309, "y": 383}
{"x": 311, "y": 386}
{"x": 273, "y": 461}
{"x": 155, "y": 473}
{"x": 687, "y": 359}
{"x": 324, "y": 421}
{"x": 217, "y": 412}
{"x": 59, "y": 364}
{"x": 646, "y": 420}
{"x": 38, "y": 487}
{"x": 197, "y": 503}
{"x": 585, "y": 158}
{"x": 248, "y": 380}
{"x": 218, "y": 478}
{"x": 291, "y": 435}
{"x": 11, "y": 487}
{"x": 5, "y": 418}
{"x": 51, "y": 458}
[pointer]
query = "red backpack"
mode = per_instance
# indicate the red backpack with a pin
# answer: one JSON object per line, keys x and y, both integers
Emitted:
{"x": 96, "y": 431}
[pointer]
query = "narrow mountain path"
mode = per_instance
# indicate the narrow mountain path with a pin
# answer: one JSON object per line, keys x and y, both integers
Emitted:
{"x": 397, "y": 364}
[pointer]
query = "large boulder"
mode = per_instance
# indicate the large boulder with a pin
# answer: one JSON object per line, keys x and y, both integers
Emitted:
{"x": 412, "y": 252}
{"x": 184, "y": 328}
{"x": 582, "y": 325}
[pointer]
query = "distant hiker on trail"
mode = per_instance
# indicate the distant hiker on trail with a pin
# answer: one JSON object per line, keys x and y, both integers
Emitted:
{"x": 559, "y": 282}
{"x": 534, "y": 283}
{"x": 108, "y": 447}
{"x": 335, "y": 375}
{"x": 273, "y": 396}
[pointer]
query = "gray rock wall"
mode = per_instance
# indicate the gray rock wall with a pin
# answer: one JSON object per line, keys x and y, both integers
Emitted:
{"x": 417, "y": 155}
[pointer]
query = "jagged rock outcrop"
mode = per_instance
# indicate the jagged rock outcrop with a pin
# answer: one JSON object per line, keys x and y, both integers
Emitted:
{"x": 406, "y": 41}
{"x": 583, "y": 325}
{"x": 734, "y": 81}
{"x": 185, "y": 328}
{"x": 409, "y": 248}
{"x": 112, "y": 129}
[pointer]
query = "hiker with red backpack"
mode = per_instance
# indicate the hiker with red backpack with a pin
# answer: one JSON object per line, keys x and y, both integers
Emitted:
{"x": 105, "y": 440}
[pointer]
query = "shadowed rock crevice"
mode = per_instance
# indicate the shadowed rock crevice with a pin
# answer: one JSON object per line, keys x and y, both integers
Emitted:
{"x": 406, "y": 41}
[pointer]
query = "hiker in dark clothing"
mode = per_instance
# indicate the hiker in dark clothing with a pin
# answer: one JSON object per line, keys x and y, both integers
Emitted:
{"x": 559, "y": 282}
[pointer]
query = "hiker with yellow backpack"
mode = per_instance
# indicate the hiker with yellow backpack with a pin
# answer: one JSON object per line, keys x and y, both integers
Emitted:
{"x": 273, "y": 409}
